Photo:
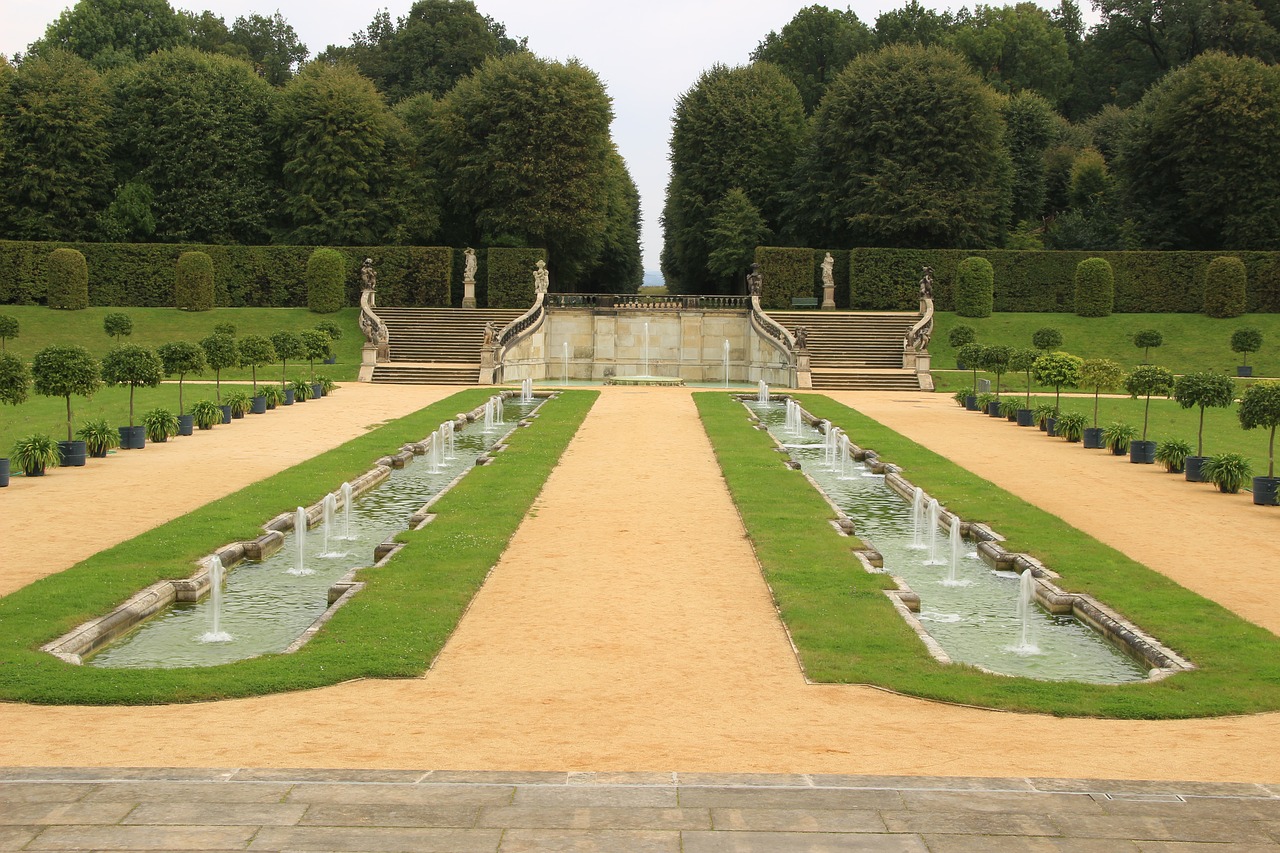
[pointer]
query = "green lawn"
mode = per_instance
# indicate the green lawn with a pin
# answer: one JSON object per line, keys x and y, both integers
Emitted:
{"x": 393, "y": 628}
{"x": 846, "y": 631}
{"x": 40, "y": 326}
{"x": 1192, "y": 342}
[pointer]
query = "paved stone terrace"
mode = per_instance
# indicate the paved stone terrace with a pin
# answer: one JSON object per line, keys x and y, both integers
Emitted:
{"x": 387, "y": 810}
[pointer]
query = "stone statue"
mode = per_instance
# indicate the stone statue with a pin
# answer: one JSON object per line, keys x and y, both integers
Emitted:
{"x": 926, "y": 284}
{"x": 490, "y": 334}
{"x": 755, "y": 281}
{"x": 469, "y": 273}
{"x": 541, "y": 278}
{"x": 368, "y": 277}
{"x": 802, "y": 336}
{"x": 828, "y": 271}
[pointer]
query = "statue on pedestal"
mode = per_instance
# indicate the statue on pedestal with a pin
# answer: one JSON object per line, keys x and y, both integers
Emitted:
{"x": 802, "y": 339}
{"x": 469, "y": 272}
{"x": 541, "y": 278}
{"x": 755, "y": 281}
{"x": 828, "y": 271}
{"x": 368, "y": 277}
{"x": 926, "y": 285}
{"x": 490, "y": 335}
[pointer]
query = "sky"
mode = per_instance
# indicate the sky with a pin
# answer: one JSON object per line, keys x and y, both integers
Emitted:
{"x": 647, "y": 53}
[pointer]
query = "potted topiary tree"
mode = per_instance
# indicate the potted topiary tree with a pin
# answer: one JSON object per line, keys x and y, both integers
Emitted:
{"x": 957, "y": 337}
{"x": 996, "y": 358}
{"x": 1203, "y": 390}
{"x": 972, "y": 355}
{"x": 136, "y": 367}
{"x": 1023, "y": 360}
{"x": 9, "y": 329}
{"x": 1147, "y": 340}
{"x": 1058, "y": 369}
{"x": 117, "y": 325}
{"x": 315, "y": 344}
{"x": 1245, "y": 341}
{"x": 67, "y": 370}
{"x": 287, "y": 345}
{"x": 1046, "y": 339}
{"x": 220, "y": 353}
{"x": 181, "y": 357}
{"x": 1260, "y": 407}
{"x": 15, "y": 379}
{"x": 1098, "y": 374}
{"x": 334, "y": 331}
{"x": 256, "y": 351}
{"x": 1145, "y": 380}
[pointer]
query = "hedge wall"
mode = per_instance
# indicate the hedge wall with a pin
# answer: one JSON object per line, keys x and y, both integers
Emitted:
{"x": 509, "y": 274}
{"x": 141, "y": 274}
{"x": 1035, "y": 281}
{"x": 787, "y": 273}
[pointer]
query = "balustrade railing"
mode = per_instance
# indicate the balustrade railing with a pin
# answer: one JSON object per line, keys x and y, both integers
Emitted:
{"x": 634, "y": 302}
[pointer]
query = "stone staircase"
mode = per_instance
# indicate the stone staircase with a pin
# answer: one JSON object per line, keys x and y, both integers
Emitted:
{"x": 436, "y": 346}
{"x": 855, "y": 350}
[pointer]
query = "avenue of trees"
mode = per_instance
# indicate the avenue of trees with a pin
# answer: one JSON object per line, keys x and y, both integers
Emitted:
{"x": 991, "y": 127}
{"x": 130, "y": 121}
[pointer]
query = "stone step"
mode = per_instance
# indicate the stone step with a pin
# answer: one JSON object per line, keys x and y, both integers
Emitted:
{"x": 426, "y": 374}
{"x": 901, "y": 380}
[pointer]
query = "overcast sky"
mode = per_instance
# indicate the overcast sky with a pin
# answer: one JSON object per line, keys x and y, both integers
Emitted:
{"x": 647, "y": 53}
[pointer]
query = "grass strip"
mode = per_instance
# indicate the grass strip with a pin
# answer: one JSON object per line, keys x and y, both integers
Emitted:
{"x": 846, "y": 631}
{"x": 392, "y": 629}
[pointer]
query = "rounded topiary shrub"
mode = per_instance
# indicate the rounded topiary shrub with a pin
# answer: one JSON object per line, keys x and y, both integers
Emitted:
{"x": 975, "y": 288}
{"x": 67, "y": 280}
{"x": 1224, "y": 287}
{"x": 1095, "y": 288}
{"x": 326, "y": 274}
{"x": 193, "y": 286}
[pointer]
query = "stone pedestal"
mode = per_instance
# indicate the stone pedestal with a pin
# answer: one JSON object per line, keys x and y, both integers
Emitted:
{"x": 486, "y": 365}
{"x": 804, "y": 375}
{"x": 469, "y": 293}
{"x": 368, "y": 360}
{"x": 828, "y": 297}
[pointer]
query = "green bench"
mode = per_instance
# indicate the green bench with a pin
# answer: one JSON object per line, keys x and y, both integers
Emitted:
{"x": 804, "y": 302}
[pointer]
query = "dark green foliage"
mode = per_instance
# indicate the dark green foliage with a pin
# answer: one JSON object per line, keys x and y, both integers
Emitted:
{"x": 1203, "y": 390}
{"x": 55, "y": 172}
{"x": 813, "y": 47}
{"x": 67, "y": 280}
{"x": 8, "y": 329}
{"x": 1224, "y": 287}
{"x": 117, "y": 325}
{"x": 737, "y": 228}
{"x": 1059, "y": 369}
{"x": 1046, "y": 339}
{"x": 960, "y": 335}
{"x": 975, "y": 288}
{"x": 787, "y": 273}
{"x": 256, "y": 351}
{"x": 114, "y": 33}
{"x": 510, "y": 276}
{"x": 15, "y": 379}
{"x": 289, "y": 345}
{"x": 271, "y": 44}
{"x": 316, "y": 343}
{"x": 220, "y": 352}
{"x": 1245, "y": 341}
{"x": 1029, "y": 129}
{"x": 735, "y": 129}
{"x": 1260, "y": 407}
{"x": 193, "y": 282}
{"x": 181, "y": 358}
{"x": 907, "y": 151}
{"x": 326, "y": 271}
{"x": 1144, "y": 381}
{"x": 1147, "y": 340}
{"x": 619, "y": 267}
{"x": 330, "y": 328}
{"x": 133, "y": 366}
{"x": 1095, "y": 288}
{"x": 997, "y": 359}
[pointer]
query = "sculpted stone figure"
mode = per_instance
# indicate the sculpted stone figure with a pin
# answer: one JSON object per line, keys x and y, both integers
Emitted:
{"x": 828, "y": 271}
{"x": 755, "y": 281}
{"x": 926, "y": 284}
{"x": 541, "y": 278}
{"x": 490, "y": 334}
{"x": 469, "y": 273}
{"x": 802, "y": 336}
{"x": 368, "y": 277}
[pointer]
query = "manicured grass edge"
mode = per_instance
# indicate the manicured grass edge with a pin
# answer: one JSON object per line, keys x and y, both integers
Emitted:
{"x": 846, "y": 631}
{"x": 392, "y": 628}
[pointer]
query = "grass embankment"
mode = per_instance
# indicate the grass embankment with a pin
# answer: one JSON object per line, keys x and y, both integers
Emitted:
{"x": 39, "y": 327}
{"x": 846, "y": 631}
{"x": 1192, "y": 342}
{"x": 391, "y": 629}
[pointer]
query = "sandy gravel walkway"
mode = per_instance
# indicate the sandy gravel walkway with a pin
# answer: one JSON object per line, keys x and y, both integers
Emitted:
{"x": 628, "y": 628}
{"x": 72, "y": 513}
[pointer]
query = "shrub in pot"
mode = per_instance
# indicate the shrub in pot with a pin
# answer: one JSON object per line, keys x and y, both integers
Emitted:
{"x": 220, "y": 352}
{"x": 1228, "y": 471}
{"x": 996, "y": 358}
{"x": 15, "y": 379}
{"x": 1099, "y": 374}
{"x": 136, "y": 367}
{"x": 1145, "y": 380}
{"x": 256, "y": 351}
{"x": 1042, "y": 414}
{"x": 982, "y": 403}
{"x": 327, "y": 385}
{"x": 33, "y": 454}
{"x": 1172, "y": 454}
{"x": 961, "y": 397}
{"x": 206, "y": 413}
{"x": 334, "y": 331}
{"x": 1009, "y": 408}
{"x": 98, "y": 437}
{"x": 1070, "y": 425}
{"x": 1203, "y": 390}
{"x": 273, "y": 395}
{"x": 301, "y": 390}
{"x": 64, "y": 370}
{"x": 1117, "y": 435}
{"x": 287, "y": 345}
{"x": 1058, "y": 369}
{"x": 1245, "y": 341}
{"x": 315, "y": 344}
{"x": 181, "y": 357}
{"x": 972, "y": 355}
{"x": 160, "y": 424}
{"x": 1260, "y": 407}
{"x": 239, "y": 402}
{"x": 1023, "y": 360}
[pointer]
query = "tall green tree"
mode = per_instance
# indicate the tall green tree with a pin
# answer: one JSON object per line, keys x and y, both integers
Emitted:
{"x": 1016, "y": 49}
{"x": 813, "y": 47}
{"x": 908, "y": 150}
{"x": 1030, "y": 123}
{"x": 736, "y": 128}
{"x": 913, "y": 23}
{"x": 114, "y": 33}
{"x": 736, "y": 229}
{"x": 1201, "y": 162}
{"x": 192, "y": 127}
{"x": 619, "y": 267}
{"x": 523, "y": 147}
{"x": 343, "y": 157}
{"x": 271, "y": 44}
{"x": 55, "y": 172}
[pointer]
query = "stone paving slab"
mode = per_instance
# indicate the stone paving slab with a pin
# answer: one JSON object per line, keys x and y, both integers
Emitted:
{"x": 354, "y": 812}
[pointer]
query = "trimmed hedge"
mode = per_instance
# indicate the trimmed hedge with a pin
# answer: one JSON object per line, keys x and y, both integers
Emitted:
{"x": 1042, "y": 281}
{"x": 787, "y": 273}
{"x": 193, "y": 282}
{"x": 1224, "y": 287}
{"x": 975, "y": 287}
{"x": 1095, "y": 288}
{"x": 141, "y": 274}
{"x": 510, "y": 277}
{"x": 67, "y": 277}
{"x": 326, "y": 269}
